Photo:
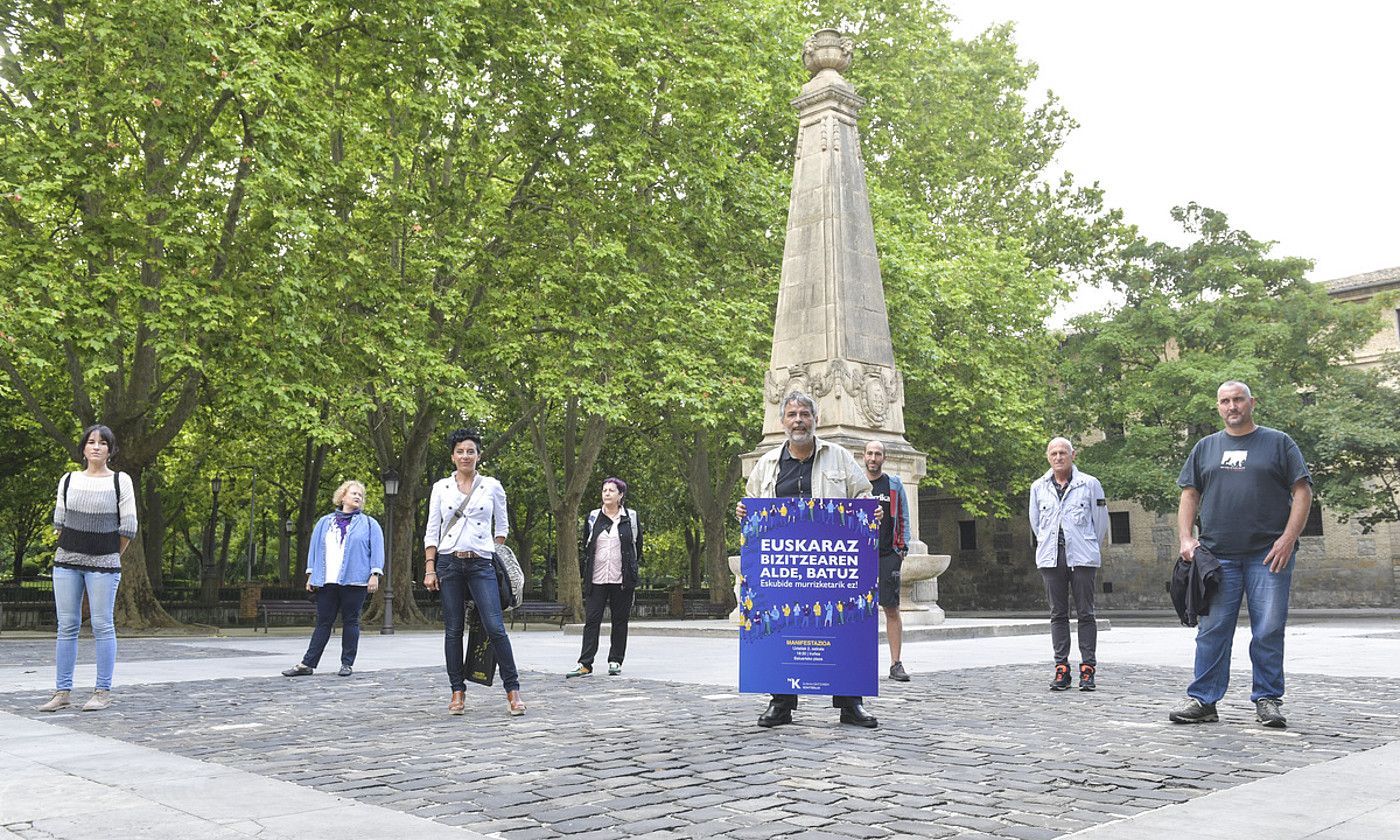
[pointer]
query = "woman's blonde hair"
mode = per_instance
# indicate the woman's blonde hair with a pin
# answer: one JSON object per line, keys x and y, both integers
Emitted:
{"x": 339, "y": 498}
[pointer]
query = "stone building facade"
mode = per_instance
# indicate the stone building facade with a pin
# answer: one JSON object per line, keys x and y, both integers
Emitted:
{"x": 993, "y": 560}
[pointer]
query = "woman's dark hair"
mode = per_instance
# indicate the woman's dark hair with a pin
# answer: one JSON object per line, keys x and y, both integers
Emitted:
{"x": 461, "y": 435}
{"x": 107, "y": 438}
{"x": 618, "y": 483}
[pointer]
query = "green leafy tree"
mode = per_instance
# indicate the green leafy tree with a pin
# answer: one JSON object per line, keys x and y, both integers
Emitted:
{"x": 1145, "y": 374}
{"x": 1356, "y": 443}
{"x": 140, "y": 138}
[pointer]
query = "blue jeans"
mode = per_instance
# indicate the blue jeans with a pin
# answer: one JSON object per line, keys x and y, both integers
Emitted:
{"x": 101, "y": 588}
{"x": 474, "y": 578}
{"x": 331, "y": 600}
{"x": 1267, "y": 592}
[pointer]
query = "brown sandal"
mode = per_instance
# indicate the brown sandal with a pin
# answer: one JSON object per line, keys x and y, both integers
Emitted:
{"x": 517, "y": 706}
{"x": 458, "y": 704}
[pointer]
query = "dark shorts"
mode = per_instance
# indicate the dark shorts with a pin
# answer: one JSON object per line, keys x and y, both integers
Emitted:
{"x": 889, "y": 578}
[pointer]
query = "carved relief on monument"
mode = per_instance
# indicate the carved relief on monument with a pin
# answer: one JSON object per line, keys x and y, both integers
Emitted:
{"x": 877, "y": 389}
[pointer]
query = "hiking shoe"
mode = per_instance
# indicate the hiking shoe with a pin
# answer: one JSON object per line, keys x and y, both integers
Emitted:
{"x": 56, "y": 702}
{"x": 1061, "y": 681}
{"x": 1266, "y": 710}
{"x": 580, "y": 671}
{"x": 1194, "y": 711}
{"x": 345, "y": 671}
{"x": 99, "y": 700}
{"x": 897, "y": 672}
{"x": 1086, "y": 678}
{"x": 614, "y": 668}
{"x": 301, "y": 670}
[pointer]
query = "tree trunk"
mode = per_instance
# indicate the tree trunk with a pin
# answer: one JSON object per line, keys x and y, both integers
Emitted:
{"x": 411, "y": 464}
{"x": 153, "y": 533}
{"x": 313, "y": 460}
{"x": 710, "y": 497}
{"x": 137, "y": 607}
{"x": 27, "y": 520}
{"x": 566, "y": 492}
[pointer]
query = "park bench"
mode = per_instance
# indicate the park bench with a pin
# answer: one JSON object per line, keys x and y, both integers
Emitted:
{"x": 538, "y": 610}
{"x": 297, "y": 607}
{"x": 705, "y": 609}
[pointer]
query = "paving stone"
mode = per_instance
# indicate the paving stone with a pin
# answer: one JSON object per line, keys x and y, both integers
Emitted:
{"x": 677, "y": 767}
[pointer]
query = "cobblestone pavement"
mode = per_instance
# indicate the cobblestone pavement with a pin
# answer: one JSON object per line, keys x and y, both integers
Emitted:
{"x": 976, "y": 753}
{"x": 40, "y": 653}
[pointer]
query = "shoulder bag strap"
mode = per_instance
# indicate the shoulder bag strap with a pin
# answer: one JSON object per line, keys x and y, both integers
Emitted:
{"x": 462, "y": 508}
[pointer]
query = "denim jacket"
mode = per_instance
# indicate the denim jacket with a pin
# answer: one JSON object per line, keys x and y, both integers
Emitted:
{"x": 1082, "y": 513}
{"x": 364, "y": 551}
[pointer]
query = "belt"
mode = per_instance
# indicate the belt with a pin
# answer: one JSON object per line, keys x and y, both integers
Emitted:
{"x": 468, "y": 555}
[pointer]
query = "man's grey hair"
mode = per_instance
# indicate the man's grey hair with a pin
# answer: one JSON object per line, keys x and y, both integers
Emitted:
{"x": 1235, "y": 383}
{"x": 1064, "y": 440}
{"x": 802, "y": 398}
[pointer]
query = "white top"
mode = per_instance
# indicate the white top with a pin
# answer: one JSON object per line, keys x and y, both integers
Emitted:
{"x": 473, "y": 531}
{"x": 607, "y": 555}
{"x": 335, "y": 553}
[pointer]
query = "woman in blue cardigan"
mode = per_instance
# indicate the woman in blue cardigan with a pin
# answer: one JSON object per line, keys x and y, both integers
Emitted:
{"x": 343, "y": 565}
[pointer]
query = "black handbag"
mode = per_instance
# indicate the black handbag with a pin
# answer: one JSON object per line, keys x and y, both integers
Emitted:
{"x": 481, "y": 657}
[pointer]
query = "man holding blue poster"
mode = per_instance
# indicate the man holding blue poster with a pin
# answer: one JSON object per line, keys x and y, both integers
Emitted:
{"x": 806, "y": 548}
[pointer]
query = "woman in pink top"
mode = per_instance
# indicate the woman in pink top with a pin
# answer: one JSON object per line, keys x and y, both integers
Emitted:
{"x": 608, "y": 564}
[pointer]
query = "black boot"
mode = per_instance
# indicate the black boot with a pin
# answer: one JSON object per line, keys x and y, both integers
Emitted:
{"x": 856, "y": 715}
{"x": 776, "y": 714}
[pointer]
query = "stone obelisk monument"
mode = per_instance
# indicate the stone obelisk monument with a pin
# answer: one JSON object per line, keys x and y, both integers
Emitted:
{"x": 831, "y": 336}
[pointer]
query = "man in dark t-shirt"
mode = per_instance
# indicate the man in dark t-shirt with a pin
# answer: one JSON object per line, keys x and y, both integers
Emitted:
{"x": 1252, "y": 490}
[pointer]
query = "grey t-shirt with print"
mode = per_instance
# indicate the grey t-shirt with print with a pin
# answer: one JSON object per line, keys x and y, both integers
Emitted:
{"x": 1246, "y": 485}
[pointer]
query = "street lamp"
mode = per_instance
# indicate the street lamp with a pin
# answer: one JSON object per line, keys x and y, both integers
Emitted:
{"x": 391, "y": 492}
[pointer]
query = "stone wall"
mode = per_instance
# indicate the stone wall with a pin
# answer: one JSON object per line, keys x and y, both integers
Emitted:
{"x": 1343, "y": 568}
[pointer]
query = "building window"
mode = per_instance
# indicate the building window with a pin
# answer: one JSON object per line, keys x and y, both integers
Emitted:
{"x": 1313, "y": 527}
{"x": 1119, "y": 528}
{"x": 967, "y": 534}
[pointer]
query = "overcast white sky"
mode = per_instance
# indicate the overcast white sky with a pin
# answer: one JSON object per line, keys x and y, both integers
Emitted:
{"x": 1284, "y": 115}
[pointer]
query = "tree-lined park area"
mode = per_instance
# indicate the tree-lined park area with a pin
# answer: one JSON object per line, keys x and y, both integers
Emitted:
{"x": 276, "y": 245}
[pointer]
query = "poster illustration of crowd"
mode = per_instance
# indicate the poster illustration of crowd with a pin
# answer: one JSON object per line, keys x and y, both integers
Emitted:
{"x": 808, "y": 596}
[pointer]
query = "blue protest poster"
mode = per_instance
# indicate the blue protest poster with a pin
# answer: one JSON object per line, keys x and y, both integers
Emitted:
{"x": 809, "y": 597}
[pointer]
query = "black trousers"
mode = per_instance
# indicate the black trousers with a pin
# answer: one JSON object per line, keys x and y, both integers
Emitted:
{"x": 1061, "y": 582}
{"x": 838, "y": 701}
{"x": 618, "y": 600}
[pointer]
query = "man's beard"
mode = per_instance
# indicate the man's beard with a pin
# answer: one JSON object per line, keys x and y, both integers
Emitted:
{"x": 800, "y": 438}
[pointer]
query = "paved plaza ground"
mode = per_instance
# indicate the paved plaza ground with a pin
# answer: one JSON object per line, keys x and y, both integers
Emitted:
{"x": 205, "y": 739}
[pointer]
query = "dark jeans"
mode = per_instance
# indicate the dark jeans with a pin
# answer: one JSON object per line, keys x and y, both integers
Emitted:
{"x": 839, "y": 701}
{"x": 1060, "y": 583}
{"x": 619, "y": 602}
{"x": 474, "y": 578}
{"x": 331, "y": 600}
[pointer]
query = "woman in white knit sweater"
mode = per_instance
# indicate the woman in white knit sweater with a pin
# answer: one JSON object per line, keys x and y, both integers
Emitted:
{"x": 95, "y": 516}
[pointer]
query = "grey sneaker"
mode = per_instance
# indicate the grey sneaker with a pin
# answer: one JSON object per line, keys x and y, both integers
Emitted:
{"x": 345, "y": 671}
{"x": 1266, "y": 710}
{"x": 1195, "y": 712}
{"x": 99, "y": 700}
{"x": 898, "y": 673}
{"x": 56, "y": 702}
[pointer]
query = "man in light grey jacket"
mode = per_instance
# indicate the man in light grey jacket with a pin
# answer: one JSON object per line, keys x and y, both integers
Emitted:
{"x": 805, "y": 465}
{"x": 1069, "y": 517}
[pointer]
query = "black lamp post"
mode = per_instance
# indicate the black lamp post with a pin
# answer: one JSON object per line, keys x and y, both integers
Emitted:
{"x": 391, "y": 492}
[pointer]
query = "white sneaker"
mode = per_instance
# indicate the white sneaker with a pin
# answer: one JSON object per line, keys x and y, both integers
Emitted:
{"x": 56, "y": 702}
{"x": 614, "y": 668}
{"x": 99, "y": 700}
